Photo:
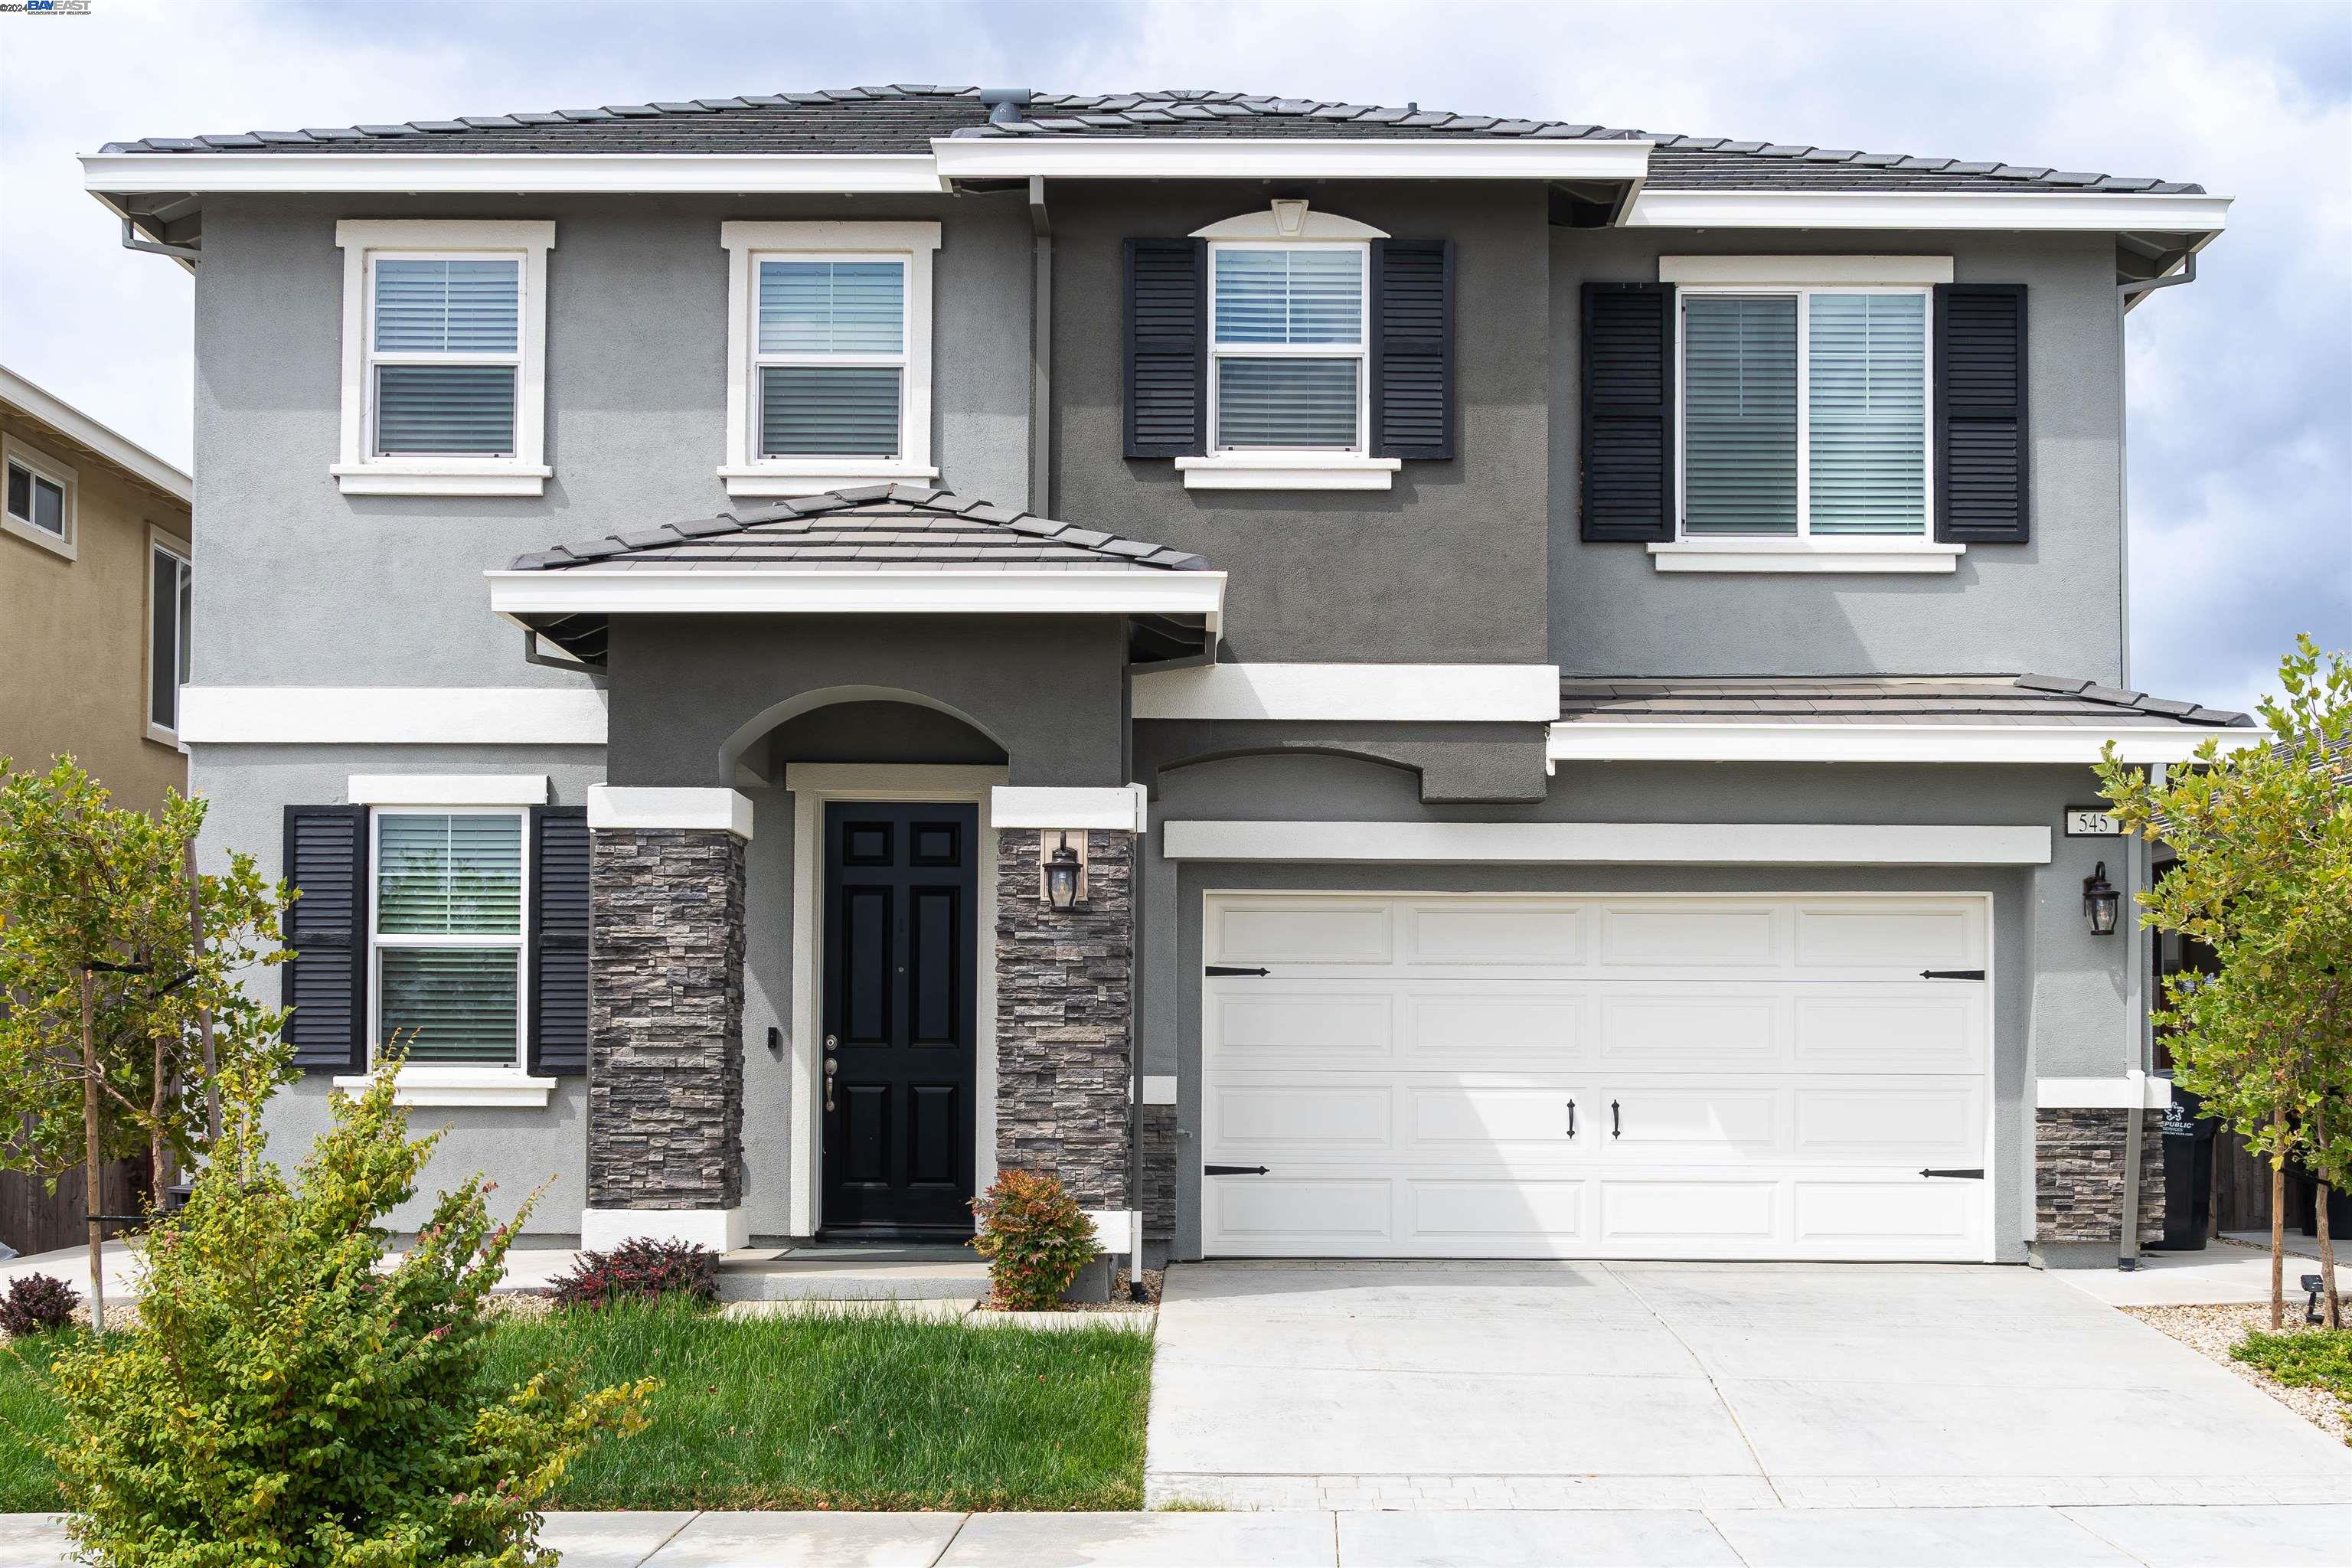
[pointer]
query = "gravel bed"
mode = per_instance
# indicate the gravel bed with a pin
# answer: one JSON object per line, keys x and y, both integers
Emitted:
{"x": 1118, "y": 1302}
{"x": 2213, "y": 1332}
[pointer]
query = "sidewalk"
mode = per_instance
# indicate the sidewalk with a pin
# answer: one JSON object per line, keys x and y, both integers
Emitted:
{"x": 2150, "y": 1536}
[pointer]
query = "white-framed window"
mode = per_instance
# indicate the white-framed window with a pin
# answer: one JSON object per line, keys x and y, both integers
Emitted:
{"x": 445, "y": 346}
{"x": 1803, "y": 433}
{"x": 829, "y": 355}
{"x": 40, "y": 497}
{"x": 1288, "y": 341}
{"x": 447, "y": 968}
{"x": 170, "y": 579}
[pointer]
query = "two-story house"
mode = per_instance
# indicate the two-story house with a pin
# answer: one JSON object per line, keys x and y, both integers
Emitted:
{"x": 1353, "y": 681}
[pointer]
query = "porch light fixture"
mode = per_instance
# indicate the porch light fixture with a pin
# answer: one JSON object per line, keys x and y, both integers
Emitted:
{"x": 2100, "y": 903}
{"x": 1062, "y": 871}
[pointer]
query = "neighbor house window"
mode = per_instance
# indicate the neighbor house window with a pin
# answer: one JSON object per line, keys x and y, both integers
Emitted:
{"x": 40, "y": 497}
{"x": 444, "y": 386}
{"x": 828, "y": 353}
{"x": 448, "y": 935}
{"x": 1287, "y": 330}
{"x": 1804, "y": 412}
{"x": 170, "y": 581}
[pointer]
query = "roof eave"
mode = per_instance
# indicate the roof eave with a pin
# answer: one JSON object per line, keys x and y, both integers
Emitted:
{"x": 528, "y": 174}
{"x": 1588, "y": 740}
{"x": 524, "y": 595}
{"x": 2072, "y": 211}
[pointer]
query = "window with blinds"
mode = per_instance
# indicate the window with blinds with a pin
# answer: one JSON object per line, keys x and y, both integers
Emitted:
{"x": 448, "y": 935}
{"x": 1287, "y": 330}
{"x": 443, "y": 352}
{"x": 830, "y": 356}
{"x": 1848, "y": 455}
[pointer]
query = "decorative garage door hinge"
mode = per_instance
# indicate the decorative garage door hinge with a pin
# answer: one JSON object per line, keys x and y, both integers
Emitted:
{"x": 1216, "y": 969}
{"x": 1974, "y": 1175}
{"x": 1951, "y": 975}
{"x": 1232, "y": 1170}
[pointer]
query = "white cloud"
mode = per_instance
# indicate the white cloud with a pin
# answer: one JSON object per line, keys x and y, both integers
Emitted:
{"x": 2242, "y": 384}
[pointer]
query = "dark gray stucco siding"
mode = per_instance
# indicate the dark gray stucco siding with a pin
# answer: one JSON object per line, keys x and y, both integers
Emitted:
{"x": 2062, "y": 997}
{"x": 1050, "y": 690}
{"x": 1447, "y": 566}
{"x": 2054, "y": 605}
{"x": 636, "y": 397}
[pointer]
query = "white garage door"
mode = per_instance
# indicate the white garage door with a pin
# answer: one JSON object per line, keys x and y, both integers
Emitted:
{"x": 1457, "y": 1076}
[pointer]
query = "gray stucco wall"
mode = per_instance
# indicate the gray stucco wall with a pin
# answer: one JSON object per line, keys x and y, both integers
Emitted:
{"x": 2054, "y": 605}
{"x": 1448, "y": 566}
{"x": 636, "y": 393}
{"x": 2062, "y": 997}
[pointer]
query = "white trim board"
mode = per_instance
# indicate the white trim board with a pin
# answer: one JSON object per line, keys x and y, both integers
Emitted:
{"x": 1117, "y": 807}
{"x": 700, "y": 810}
{"x": 2072, "y": 211}
{"x": 1815, "y": 553}
{"x": 2151, "y": 1093}
{"x": 429, "y": 1086}
{"x": 1279, "y": 157}
{"x": 508, "y": 173}
{"x": 1145, "y": 592}
{"x": 446, "y": 789}
{"x": 1438, "y": 693}
{"x": 1600, "y": 740}
{"x": 393, "y": 715}
{"x": 1607, "y": 843}
{"x": 1721, "y": 270}
{"x": 115, "y": 448}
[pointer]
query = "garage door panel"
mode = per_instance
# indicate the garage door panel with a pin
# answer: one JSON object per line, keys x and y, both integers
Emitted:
{"x": 1519, "y": 1027}
{"x": 1254, "y": 1119}
{"x": 1261, "y": 1028}
{"x": 1902, "y": 937}
{"x": 1683, "y": 1029}
{"x": 1703, "y": 1123}
{"x": 1303, "y": 1214}
{"x": 1684, "y": 1212}
{"x": 1697, "y": 934}
{"x": 1936, "y": 1124}
{"x": 1517, "y": 932}
{"x": 1928, "y": 1027}
{"x": 1537, "y": 1211}
{"x": 1896, "y": 1213}
{"x": 1322, "y": 931}
{"x": 1452, "y": 1121}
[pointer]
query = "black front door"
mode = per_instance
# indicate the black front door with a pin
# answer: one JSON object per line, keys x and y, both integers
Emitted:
{"x": 901, "y": 891}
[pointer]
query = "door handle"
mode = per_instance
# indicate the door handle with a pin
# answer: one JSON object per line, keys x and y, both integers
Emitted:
{"x": 1571, "y": 1119}
{"x": 1615, "y": 1129}
{"x": 831, "y": 1066}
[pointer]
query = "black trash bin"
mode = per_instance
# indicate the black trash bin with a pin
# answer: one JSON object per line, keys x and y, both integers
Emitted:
{"x": 2188, "y": 1171}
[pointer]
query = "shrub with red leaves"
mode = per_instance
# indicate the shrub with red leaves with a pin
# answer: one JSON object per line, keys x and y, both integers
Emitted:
{"x": 1035, "y": 1237}
{"x": 36, "y": 1304}
{"x": 640, "y": 1270}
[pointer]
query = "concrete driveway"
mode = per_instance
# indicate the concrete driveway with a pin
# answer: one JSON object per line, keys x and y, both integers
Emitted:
{"x": 1728, "y": 1386}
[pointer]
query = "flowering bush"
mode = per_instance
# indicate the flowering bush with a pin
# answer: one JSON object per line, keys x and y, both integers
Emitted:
{"x": 641, "y": 1270}
{"x": 289, "y": 1399}
{"x": 1035, "y": 1238}
{"x": 36, "y": 1304}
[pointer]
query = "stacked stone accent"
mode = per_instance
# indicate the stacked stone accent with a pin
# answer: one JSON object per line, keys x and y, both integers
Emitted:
{"x": 666, "y": 1019}
{"x": 1064, "y": 1017}
{"x": 2078, "y": 1174}
{"x": 1160, "y": 1140}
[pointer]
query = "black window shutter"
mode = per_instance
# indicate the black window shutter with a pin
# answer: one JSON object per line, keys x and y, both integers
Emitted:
{"x": 326, "y": 981}
{"x": 1982, "y": 486}
{"x": 1628, "y": 435}
{"x": 1167, "y": 348}
{"x": 558, "y": 939}
{"x": 1412, "y": 349}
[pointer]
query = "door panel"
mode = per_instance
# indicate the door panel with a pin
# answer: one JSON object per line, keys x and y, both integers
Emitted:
{"x": 900, "y": 1018}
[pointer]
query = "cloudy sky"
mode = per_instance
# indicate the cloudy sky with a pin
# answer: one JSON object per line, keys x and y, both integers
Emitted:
{"x": 2240, "y": 385}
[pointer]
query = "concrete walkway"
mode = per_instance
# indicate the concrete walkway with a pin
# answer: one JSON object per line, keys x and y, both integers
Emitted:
{"x": 1449, "y": 1386}
{"x": 2146, "y": 1536}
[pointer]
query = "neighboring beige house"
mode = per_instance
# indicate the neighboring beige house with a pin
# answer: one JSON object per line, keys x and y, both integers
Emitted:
{"x": 94, "y": 595}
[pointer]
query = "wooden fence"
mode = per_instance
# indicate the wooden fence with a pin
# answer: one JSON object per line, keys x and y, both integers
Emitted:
{"x": 33, "y": 1219}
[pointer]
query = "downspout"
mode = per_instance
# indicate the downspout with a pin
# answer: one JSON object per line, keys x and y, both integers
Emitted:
{"x": 132, "y": 240}
{"x": 2142, "y": 1035}
{"x": 1041, "y": 351}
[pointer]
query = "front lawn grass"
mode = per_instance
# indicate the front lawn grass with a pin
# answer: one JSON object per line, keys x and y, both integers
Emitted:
{"x": 2313, "y": 1358}
{"x": 830, "y": 1412}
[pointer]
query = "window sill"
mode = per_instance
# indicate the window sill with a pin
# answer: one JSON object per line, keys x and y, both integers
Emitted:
{"x": 814, "y": 478}
{"x": 441, "y": 479}
{"x": 463, "y": 1086}
{"x": 55, "y": 544}
{"x": 1287, "y": 471}
{"x": 1882, "y": 555}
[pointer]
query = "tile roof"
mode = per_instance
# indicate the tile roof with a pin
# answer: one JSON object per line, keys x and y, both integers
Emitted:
{"x": 875, "y": 528}
{"x": 904, "y": 118}
{"x": 2024, "y": 700}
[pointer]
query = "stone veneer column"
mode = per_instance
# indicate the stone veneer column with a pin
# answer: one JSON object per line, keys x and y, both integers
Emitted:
{"x": 1064, "y": 1018}
{"x": 2078, "y": 1174}
{"x": 664, "y": 1031}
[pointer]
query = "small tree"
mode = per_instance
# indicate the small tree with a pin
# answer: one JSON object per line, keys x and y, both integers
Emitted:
{"x": 292, "y": 1396}
{"x": 120, "y": 966}
{"x": 2263, "y": 876}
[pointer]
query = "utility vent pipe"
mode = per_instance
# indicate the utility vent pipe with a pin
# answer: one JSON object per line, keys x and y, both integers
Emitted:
{"x": 1004, "y": 103}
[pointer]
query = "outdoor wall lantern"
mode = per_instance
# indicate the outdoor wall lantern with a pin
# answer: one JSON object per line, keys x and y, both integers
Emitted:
{"x": 1066, "y": 874}
{"x": 2100, "y": 903}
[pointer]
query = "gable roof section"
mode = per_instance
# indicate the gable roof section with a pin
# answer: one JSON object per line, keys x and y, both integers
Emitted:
{"x": 904, "y": 120}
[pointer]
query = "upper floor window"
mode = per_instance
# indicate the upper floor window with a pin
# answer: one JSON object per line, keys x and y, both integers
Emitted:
{"x": 41, "y": 492}
{"x": 170, "y": 598}
{"x": 444, "y": 357}
{"x": 1287, "y": 335}
{"x": 828, "y": 354}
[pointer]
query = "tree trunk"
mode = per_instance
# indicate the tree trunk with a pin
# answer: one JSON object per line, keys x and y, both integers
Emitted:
{"x": 2278, "y": 1222}
{"x": 2327, "y": 1264}
{"x": 204, "y": 1014}
{"x": 93, "y": 1182}
{"x": 159, "y": 1164}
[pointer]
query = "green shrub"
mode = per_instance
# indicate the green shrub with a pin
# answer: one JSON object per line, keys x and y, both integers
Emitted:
{"x": 1035, "y": 1238}
{"x": 2307, "y": 1358}
{"x": 641, "y": 1270}
{"x": 286, "y": 1402}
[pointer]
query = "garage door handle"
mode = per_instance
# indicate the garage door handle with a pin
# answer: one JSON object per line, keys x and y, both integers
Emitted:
{"x": 1229, "y": 969}
{"x": 1976, "y": 1175}
{"x": 1571, "y": 1119}
{"x": 1232, "y": 1170}
{"x": 1951, "y": 975}
{"x": 1614, "y": 1130}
